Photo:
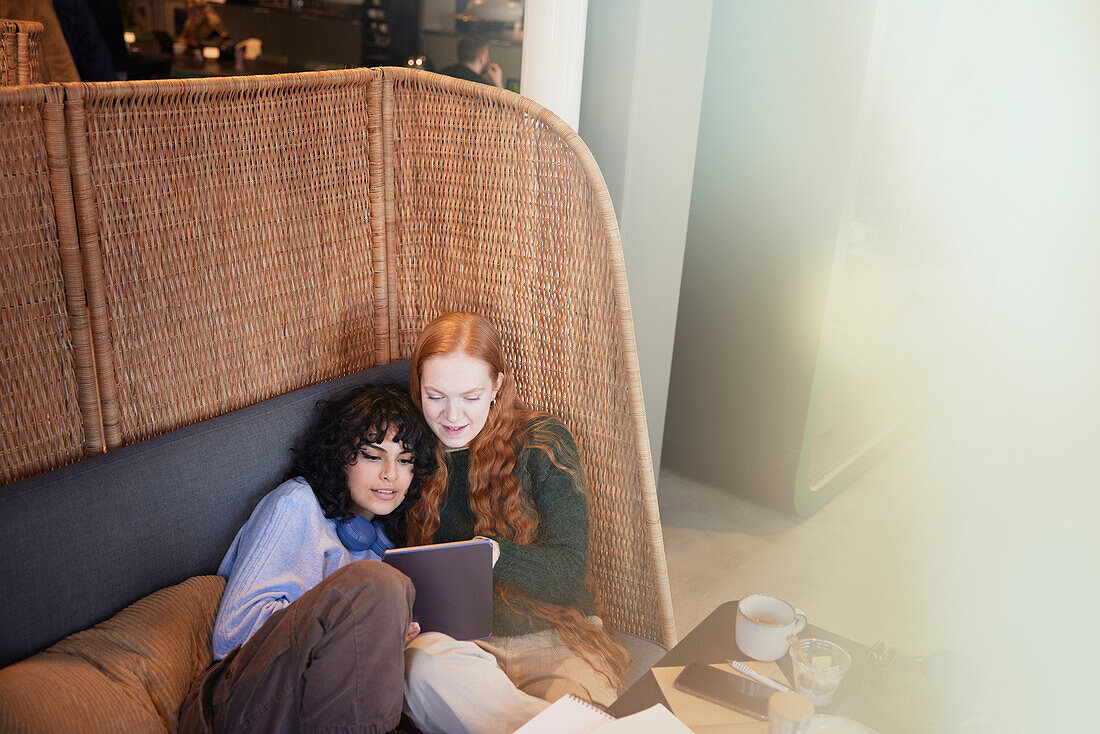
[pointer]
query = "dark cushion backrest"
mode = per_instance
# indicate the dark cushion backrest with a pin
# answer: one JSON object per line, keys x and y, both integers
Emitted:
{"x": 82, "y": 542}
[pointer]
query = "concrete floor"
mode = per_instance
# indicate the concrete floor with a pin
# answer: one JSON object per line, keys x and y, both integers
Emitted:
{"x": 977, "y": 534}
{"x": 857, "y": 567}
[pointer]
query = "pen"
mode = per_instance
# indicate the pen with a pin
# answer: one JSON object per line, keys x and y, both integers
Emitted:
{"x": 740, "y": 667}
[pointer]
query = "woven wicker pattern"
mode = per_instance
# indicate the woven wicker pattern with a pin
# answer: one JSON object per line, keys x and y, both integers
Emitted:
{"x": 19, "y": 52}
{"x": 500, "y": 209}
{"x": 40, "y": 421}
{"x": 9, "y": 55}
{"x": 225, "y": 241}
{"x": 228, "y": 229}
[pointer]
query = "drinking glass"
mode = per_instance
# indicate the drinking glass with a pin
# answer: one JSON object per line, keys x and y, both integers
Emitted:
{"x": 828, "y": 662}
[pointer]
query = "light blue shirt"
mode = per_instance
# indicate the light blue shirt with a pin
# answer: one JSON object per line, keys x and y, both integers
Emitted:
{"x": 286, "y": 548}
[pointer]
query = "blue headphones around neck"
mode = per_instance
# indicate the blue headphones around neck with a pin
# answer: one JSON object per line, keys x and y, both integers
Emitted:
{"x": 359, "y": 534}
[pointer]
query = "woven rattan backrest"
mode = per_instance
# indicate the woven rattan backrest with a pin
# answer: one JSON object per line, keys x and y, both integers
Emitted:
{"x": 9, "y": 71}
{"x": 228, "y": 225}
{"x": 46, "y": 374}
{"x": 499, "y": 208}
{"x": 19, "y": 52}
{"x": 240, "y": 238}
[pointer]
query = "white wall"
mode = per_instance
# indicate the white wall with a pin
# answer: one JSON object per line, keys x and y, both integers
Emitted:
{"x": 782, "y": 90}
{"x": 643, "y": 85}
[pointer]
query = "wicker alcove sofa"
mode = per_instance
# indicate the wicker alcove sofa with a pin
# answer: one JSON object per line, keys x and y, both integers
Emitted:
{"x": 189, "y": 265}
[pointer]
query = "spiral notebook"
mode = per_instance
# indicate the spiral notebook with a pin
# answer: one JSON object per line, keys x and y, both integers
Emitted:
{"x": 574, "y": 716}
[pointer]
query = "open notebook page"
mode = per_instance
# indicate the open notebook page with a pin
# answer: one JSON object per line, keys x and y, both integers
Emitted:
{"x": 571, "y": 715}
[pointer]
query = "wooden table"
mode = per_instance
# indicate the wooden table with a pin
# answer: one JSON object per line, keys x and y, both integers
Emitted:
{"x": 713, "y": 642}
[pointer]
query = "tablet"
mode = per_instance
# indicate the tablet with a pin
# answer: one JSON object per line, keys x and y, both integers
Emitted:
{"x": 454, "y": 586}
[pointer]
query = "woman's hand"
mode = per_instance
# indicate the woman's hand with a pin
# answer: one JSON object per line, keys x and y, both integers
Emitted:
{"x": 414, "y": 630}
{"x": 496, "y": 547}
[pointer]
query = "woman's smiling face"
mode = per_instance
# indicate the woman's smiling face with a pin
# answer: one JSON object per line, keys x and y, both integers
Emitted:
{"x": 379, "y": 477}
{"x": 456, "y": 391}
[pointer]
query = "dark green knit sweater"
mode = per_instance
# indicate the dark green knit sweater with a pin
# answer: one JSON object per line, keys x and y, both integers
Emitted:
{"x": 554, "y": 568}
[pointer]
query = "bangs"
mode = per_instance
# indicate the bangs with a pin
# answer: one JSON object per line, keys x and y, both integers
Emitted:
{"x": 408, "y": 436}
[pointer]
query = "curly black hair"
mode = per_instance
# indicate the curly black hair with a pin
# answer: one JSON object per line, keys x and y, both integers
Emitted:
{"x": 362, "y": 415}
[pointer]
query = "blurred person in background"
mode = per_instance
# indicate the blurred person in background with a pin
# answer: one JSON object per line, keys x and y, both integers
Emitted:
{"x": 90, "y": 51}
{"x": 203, "y": 26}
{"x": 108, "y": 16}
{"x": 473, "y": 63}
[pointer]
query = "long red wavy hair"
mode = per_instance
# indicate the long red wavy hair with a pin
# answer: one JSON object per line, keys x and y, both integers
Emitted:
{"x": 494, "y": 493}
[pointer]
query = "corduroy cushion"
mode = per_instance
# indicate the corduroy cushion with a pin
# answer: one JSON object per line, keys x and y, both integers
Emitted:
{"x": 127, "y": 674}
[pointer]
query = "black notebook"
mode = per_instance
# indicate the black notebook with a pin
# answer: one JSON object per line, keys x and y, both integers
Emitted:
{"x": 454, "y": 586}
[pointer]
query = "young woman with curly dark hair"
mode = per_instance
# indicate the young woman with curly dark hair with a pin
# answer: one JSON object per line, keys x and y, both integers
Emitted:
{"x": 512, "y": 475}
{"x": 309, "y": 633}
{"x": 341, "y": 428}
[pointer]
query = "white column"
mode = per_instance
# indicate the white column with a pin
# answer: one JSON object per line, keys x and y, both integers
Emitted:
{"x": 553, "y": 55}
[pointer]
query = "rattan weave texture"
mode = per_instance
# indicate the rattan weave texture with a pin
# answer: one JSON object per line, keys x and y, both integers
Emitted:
{"x": 227, "y": 231}
{"x": 500, "y": 209}
{"x": 225, "y": 241}
{"x": 20, "y": 42}
{"x": 40, "y": 419}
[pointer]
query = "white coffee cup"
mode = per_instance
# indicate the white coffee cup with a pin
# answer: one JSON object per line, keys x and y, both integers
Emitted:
{"x": 763, "y": 624}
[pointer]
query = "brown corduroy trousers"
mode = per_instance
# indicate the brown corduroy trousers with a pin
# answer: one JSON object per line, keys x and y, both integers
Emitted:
{"x": 332, "y": 661}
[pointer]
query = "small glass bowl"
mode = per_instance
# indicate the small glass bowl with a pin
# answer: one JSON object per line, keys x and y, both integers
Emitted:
{"x": 828, "y": 664}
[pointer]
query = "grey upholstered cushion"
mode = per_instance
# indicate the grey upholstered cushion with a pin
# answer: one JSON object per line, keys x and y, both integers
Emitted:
{"x": 82, "y": 542}
{"x": 643, "y": 655}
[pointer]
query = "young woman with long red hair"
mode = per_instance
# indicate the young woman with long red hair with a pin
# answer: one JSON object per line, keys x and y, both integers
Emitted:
{"x": 511, "y": 475}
